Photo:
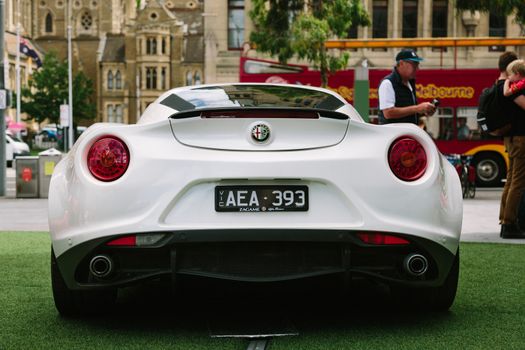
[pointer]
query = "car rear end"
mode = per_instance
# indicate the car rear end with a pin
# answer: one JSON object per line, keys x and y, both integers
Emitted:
{"x": 253, "y": 194}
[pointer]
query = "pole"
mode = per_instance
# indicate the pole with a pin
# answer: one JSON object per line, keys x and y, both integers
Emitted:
{"x": 361, "y": 90}
{"x": 17, "y": 64}
{"x": 2, "y": 119}
{"x": 70, "y": 76}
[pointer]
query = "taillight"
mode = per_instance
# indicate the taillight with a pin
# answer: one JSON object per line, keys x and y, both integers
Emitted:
{"x": 381, "y": 239}
{"x": 108, "y": 158}
{"x": 127, "y": 241}
{"x": 407, "y": 159}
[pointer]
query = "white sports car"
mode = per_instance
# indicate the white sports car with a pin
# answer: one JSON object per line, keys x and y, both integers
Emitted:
{"x": 253, "y": 182}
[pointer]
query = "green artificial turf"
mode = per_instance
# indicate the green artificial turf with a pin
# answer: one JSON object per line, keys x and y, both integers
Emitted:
{"x": 489, "y": 312}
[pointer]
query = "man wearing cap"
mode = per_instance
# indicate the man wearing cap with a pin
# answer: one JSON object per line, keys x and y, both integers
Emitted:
{"x": 397, "y": 92}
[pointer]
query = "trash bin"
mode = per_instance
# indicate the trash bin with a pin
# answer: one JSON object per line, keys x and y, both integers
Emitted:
{"x": 47, "y": 161}
{"x": 26, "y": 177}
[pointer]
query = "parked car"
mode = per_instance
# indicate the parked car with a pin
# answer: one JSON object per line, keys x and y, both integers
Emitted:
{"x": 15, "y": 147}
{"x": 47, "y": 135}
{"x": 258, "y": 183}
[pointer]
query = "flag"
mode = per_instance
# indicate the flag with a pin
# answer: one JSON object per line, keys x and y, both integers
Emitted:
{"x": 29, "y": 52}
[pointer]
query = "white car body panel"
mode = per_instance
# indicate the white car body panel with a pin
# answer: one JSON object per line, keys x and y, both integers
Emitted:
{"x": 8, "y": 151}
{"x": 234, "y": 134}
{"x": 180, "y": 180}
{"x": 15, "y": 148}
{"x": 163, "y": 200}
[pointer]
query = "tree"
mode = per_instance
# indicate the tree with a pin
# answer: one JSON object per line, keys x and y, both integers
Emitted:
{"x": 285, "y": 28}
{"x": 503, "y": 7}
{"x": 48, "y": 89}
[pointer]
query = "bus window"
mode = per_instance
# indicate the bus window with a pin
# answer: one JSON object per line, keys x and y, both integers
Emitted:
{"x": 467, "y": 125}
{"x": 440, "y": 126}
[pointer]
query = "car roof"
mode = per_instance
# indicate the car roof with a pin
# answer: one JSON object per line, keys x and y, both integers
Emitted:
{"x": 242, "y": 95}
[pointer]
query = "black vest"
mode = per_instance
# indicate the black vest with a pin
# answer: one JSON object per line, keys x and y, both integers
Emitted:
{"x": 404, "y": 98}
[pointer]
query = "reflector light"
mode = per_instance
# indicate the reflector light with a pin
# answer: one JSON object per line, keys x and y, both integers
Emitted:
{"x": 137, "y": 240}
{"x": 108, "y": 158}
{"x": 128, "y": 241}
{"x": 149, "y": 239}
{"x": 407, "y": 159}
{"x": 381, "y": 239}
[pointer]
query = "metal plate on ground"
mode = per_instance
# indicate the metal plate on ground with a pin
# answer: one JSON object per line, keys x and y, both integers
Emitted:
{"x": 258, "y": 344}
{"x": 250, "y": 325}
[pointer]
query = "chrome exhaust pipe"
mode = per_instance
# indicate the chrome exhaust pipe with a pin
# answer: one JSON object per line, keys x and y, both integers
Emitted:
{"x": 101, "y": 266}
{"x": 415, "y": 264}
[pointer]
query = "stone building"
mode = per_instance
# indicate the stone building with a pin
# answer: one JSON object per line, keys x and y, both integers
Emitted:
{"x": 160, "y": 47}
{"x": 131, "y": 54}
{"x": 27, "y": 64}
{"x": 228, "y": 27}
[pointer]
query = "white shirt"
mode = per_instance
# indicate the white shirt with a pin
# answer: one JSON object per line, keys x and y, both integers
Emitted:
{"x": 387, "y": 96}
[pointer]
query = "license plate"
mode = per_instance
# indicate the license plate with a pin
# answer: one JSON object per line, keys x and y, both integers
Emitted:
{"x": 261, "y": 198}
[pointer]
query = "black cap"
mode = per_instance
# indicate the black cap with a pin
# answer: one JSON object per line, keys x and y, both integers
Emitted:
{"x": 408, "y": 55}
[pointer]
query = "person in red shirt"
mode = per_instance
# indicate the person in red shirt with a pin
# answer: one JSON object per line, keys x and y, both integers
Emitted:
{"x": 516, "y": 79}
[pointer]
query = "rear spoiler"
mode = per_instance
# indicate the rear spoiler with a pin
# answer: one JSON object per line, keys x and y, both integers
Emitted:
{"x": 260, "y": 112}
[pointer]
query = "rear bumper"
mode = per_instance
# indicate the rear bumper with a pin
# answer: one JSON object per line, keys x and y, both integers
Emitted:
{"x": 255, "y": 256}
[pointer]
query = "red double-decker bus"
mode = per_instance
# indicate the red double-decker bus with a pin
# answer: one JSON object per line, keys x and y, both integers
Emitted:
{"x": 457, "y": 89}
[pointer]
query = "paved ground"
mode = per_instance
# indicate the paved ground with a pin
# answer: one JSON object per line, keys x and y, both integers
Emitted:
{"x": 480, "y": 215}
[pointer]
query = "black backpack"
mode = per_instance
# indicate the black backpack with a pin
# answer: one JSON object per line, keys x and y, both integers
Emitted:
{"x": 492, "y": 118}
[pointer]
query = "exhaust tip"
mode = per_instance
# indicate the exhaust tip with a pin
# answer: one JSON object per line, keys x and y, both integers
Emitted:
{"x": 101, "y": 266}
{"x": 415, "y": 264}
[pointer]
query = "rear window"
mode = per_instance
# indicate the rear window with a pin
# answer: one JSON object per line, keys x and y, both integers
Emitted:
{"x": 16, "y": 139}
{"x": 251, "y": 96}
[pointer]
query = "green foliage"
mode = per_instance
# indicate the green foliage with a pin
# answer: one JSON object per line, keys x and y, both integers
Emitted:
{"x": 503, "y": 7}
{"x": 48, "y": 89}
{"x": 273, "y": 25}
{"x": 285, "y": 28}
{"x": 487, "y": 314}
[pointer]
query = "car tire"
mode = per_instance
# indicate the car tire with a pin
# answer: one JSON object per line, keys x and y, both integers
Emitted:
{"x": 430, "y": 298}
{"x": 72, "y": 303}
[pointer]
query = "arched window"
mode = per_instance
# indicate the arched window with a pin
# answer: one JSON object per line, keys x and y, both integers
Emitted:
{"x": 118, "y": 80}
{"x": 197, "y": 78}
{"x": 154, "y": 46}
{"x": 49, "y": 23}
{"x": 163, "y": 78}
{"x": 110, "y": 80}
{"x": 148, "y": 77}
{"x": 151, "y": 46}
{"x": 154, "y": 78}
{"x": 151, "y": 78}
{"x": 111, "y": 115}
{"x": 119, "y": 114}
{"x": 189, "y": 78}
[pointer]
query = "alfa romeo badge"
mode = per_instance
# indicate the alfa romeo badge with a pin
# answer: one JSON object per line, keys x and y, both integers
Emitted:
{"x": 261, "y": 132}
